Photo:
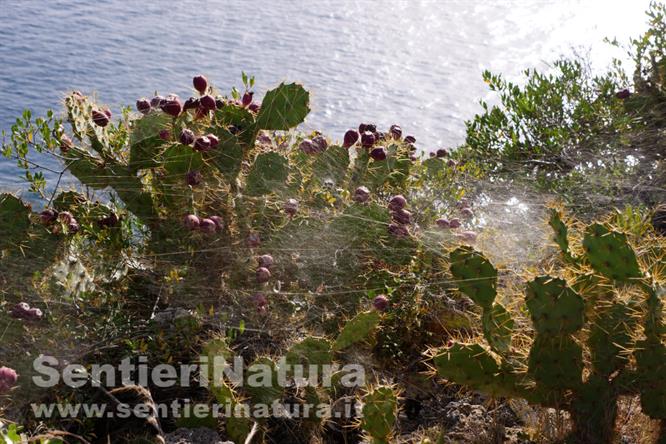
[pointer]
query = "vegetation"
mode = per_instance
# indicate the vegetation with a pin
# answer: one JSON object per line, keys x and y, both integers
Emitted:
{"x": 186, "y": 231}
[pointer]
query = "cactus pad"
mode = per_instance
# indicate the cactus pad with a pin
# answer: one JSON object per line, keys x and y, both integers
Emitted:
{"x": 497, "y": 327}
{"x": 560, "y": 232}
{"x": 145, "y": 141}
{"x": 610, "y": 337}
{"x": 14, "y": 221}
{"x": 380, "y": 413}
{"x": 269, "y": 173}
{"x": 284, "y": 107}
{"x": 556, "y": 362}
{"x": 475, "y": 275}
{"x": 332, "y": 164}
{"x": 609, "y": 253}
{"x": 554, "y": 307}
{"x": 357, "y": 329}
{"x": 468, "y": 364}
{"x": 262, "y": 383}
{"x": 310, "y": 351}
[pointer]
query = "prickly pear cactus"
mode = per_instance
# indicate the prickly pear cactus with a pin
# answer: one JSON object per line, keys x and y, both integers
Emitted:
{"x": 609, "y": 253}
{"x": 477, "y": 278}
{"x": 284, "y": 107}
{"x": 14, "y": 222}
{"x": 558, "y": 373}
{"x": 380, "y": 413}
{"x": 357, "y": 329}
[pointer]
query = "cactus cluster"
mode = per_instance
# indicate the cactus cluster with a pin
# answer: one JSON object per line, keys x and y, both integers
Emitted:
{"x": 592, "y": 314}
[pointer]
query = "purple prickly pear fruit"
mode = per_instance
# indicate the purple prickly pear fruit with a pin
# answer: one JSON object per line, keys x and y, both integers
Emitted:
{"x": 291, "y": 207}
{"x": 260, "y": 301}
{"x": 200, "y": 113}
{"x": 165, "y": 134}
{"x": 367, "y": 139}
{"x": 263, "y": 275}
{"x": 410, "y": 139}
{"x": 378, "y": 153}
{"x": 20, "y": 310}
{"x": 172, "y": 105}
{"x": 454, "y": 223}
{"x": 191, "y": 103}
{"x": 207, "y": 102}
{"x": 156, "y": 101}
{"x": 233, "y": 129}
{"x": 186, "y": 137}
{"x": 413, "y": 157}
{"x": 402, "y": 216}
{"x": 361, "y": 194}
{"x": 65, "y": 217}
{"x": 380, "y": 302}
{"x": 191, "y": 222}
{"x": 143, "y": 105}
{"x": 467, "y": 213}
{"x": 363, "y": 127}
{"x": 214, "y": 141}
{"x": 253, "y": 240}
{"x": 624, "y": 94}
{"x": 380, "y": 136}
{"x": 443, "y": 223}
{"x": 397, "y": 202}
{"x": 8, "y": 379}
{"x": 193, "y": 178}
{"x": 202, "y": 144}
{"x": 219, "y": 222}
{"x": 207, "y": 226}
{"x": 265, "y": 260}
{"x": 254, "y": 107}
{"x": 34, "y": 314}
{"x": 451, "y": 163}
{"x": 108, "y": 221}
{"x": 247, "y": 98}
{"x": 395, "y": 131}
{"x": 320, "y": 143}
{"x": 467, "y": 236}
{"x": 442, "y": 152}
{"x": 200, "y": 83}
{"x": 307, "y": 147}
{"x": 220, "y": 103}
{"x": 398, "y": 230}
{"x": 73, "y": 226}
{"x": 100, "y": 118}
{"x": 107, "y": 111}
{"x": 351, "y": 137}
{"x": 48, "y": 216}
{"x": 431, "y": 154}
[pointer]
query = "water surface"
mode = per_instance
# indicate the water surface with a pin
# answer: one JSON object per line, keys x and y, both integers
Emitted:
{"x": 414, "y": 62}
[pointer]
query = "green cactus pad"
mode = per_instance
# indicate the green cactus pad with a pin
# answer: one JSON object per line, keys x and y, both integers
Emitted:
{"x": 332, "y": 164}
{"x": 380, "y": 412}
{"x": 14, "y": 221}
{"x": 261, "y": 382}
{"x": 475, "y": 275}
{"x": 468, "y": 364}
{"x": 651, "y": 368}
{"x": 145, "y": 141}
{"x": 284, "y": 107}
{"x": 245, "y": 130}
{"x": 357, "y": 329}
{"x": 554, "y": 307}
{"x": 610, "y": 254}
{"x": 392, "y": 171}
{"x": 556, "y": 362}
{"x": 269, "y": 174}
{"x": 610, "y": 337}
{"x": 497, "y": 327}
{"x": 310, "y": 351}
{"x": 178, "y": 160}
{"x": 560, "y": 232}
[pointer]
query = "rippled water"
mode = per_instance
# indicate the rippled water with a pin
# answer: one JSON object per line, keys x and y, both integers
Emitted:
{"x": 414, "y": 62}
